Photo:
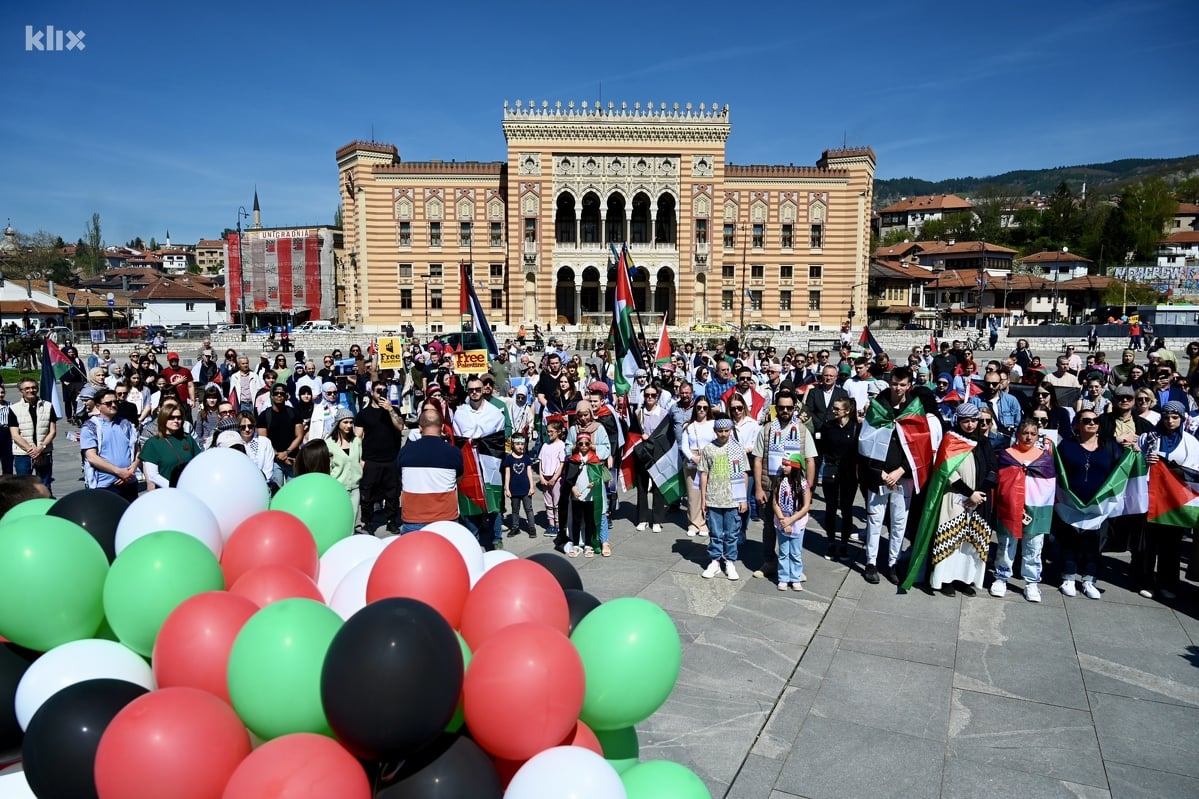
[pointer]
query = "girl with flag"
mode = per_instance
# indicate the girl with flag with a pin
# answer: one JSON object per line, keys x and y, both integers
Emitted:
{"x": 1027, "y": 483}
{"x": 1157, "y": 548}
{"x": 588, "y": 499}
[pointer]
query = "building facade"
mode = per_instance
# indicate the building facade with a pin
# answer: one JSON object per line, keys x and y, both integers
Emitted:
{"x": 711, "y": 241}
{"x": 282, "y": 275}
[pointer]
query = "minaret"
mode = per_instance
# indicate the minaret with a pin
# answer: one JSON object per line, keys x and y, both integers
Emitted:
{"x": 257, "y": 210}
{"x": 168, "y": 239}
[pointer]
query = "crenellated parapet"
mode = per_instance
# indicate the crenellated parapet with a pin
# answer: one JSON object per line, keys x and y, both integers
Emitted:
{"x": 593, "y": 122}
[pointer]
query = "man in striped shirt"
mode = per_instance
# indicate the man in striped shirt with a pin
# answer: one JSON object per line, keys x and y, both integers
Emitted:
{"x": 429, "y": 472}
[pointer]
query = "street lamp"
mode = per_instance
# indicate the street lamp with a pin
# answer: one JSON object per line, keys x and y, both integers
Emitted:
{"x": 241, "y": 288}
{"x": 852, "y": 313}
{"x": 744, "y": 290}
{"x": 982, "y": 281}
{"x": 1057, "y": 270}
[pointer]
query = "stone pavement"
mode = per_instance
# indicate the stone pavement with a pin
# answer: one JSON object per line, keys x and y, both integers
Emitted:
{"x": 849, "y": 690}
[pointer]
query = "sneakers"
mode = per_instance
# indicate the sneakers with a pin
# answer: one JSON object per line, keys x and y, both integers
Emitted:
{"x": 1090, "y": 591}
{"x": 803, "y": 578}
{"x": 782, "y": 586}
{"x": 796, "y": 587}
{"x": 692, "y": 531}
{"x": 999, "y": 589}
{"x": 1032, "y": 592}
{"x": 854, "y": 537}
{"x": 643, "y": 526}
{"x": 1069, "y": 589}
{"x": 657, "y": 528}
{"x": 551, "y": 532}
{"x": 871, "y": 574}
{"x": 730, "y": 571}
{"x": 712, "y": 570}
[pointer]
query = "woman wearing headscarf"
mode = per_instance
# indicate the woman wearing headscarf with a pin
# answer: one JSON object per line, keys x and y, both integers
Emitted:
{"x": 1157, "y": 550}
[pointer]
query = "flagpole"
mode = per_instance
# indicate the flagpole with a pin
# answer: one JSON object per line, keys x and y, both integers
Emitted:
{"x": 625, "y": 258}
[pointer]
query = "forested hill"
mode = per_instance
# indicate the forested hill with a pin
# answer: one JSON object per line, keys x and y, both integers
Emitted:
{"x": 1105, "y": 179}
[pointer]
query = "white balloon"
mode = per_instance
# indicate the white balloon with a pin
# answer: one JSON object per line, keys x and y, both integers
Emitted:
{"x": 77, "y": 661}
{"x": 229, "y": 483}
{"x": 13, "y": 785}
{"x": 169, "y": 509}
{"x": 466, "y": 544}
{"x": 495, "y": 557}
{"x": 566, "y": 772}
{"x": 350, "y": 595}
{"x": 343, "y": 556}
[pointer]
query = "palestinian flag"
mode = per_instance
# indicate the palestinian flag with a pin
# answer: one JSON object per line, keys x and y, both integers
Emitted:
{"x": 662, "y": 351}
{"x": 659, "y": 455}
{"x": 1027, "y": 492}
{"x": 1173, "y": 495}
{"x": 54, "y": 366}
{"x": 628, "y": 353}
{"x": 628, "y": 462}
{"x": 954, "y": 449}
{"x": 868, "y": 342}
{"x": 595, "y": 476}
{"x": 919, "y": 435}
{"x": 481, "y": 486}
{"x": 756, "y": 400}
{"x": 1122, "y": 493}
{"x": 469, "y": 306}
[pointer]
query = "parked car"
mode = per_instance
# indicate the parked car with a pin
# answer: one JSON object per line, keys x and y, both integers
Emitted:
{"x": 914, "y": 326}
{"x": 713, "y": 327}
{"x": 231, "y": 329}
{"x": 759, "y": 327}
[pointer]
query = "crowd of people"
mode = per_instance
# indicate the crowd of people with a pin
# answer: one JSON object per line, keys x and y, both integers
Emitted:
{"x": 927, "y": 442}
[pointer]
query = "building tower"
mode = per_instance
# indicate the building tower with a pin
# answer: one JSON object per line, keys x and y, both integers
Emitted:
{"x": 257, "y": 211}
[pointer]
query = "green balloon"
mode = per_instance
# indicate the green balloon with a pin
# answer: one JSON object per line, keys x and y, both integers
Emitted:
{"x": 631, "y": 655}
{"x": 322, "y": 503}
{"x": 150, "y": 578}
{"x": 30, "y": 507}
{"x": 460, "y": 715}
{"x": 51, "y": 582}
{"x": 275, "y": 668}
{"x": 621, "y": 748}
{"x": 662, "y": 779}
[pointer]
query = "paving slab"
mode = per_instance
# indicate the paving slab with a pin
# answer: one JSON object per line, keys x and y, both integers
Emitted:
{"x": 1133, "y": 782}
{"x": 902, "y": 637}
{"x": 1151, "y": 735}
{"x": 967, "y": 779}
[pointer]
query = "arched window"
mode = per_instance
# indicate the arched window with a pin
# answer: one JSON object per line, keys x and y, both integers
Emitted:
{"x": 590, "y": 227}
{"x": 641, "y": 219}
{"x": 566, "y": 218}
{"x": 614, "y": 223}
{"x": 667, "y": 225}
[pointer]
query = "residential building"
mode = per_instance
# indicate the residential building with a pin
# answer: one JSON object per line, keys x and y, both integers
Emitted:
{"x": 1057, "y": 265}
{"x": 176, "y": 262}
{"x": 210, "y": 256}
{"x": 897, "y": 292}
{"x": 173, "y": 301}
{"x": 281, "y": 275}
{"x": 710, "y": 240}
{"x": 910, "y": 213}
{"x": 1185, "y": 218}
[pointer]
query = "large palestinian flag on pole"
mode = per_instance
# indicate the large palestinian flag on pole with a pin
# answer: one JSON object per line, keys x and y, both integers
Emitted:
{"x": 1173, "y": 495}
{"x": 954, "y": 449}
{"x": 628, "y": 354}
{"x": 1125, "y": 491}
{"x": 919, "y": 435}
{"x": 1026, "y": 494}
{"x": 54, "y": 365}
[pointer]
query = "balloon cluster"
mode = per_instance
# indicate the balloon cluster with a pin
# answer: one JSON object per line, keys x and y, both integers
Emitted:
{"x": 212, "y": 641}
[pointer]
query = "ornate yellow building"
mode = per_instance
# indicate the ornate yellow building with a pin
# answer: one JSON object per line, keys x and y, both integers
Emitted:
{"x": 784, "y": 246}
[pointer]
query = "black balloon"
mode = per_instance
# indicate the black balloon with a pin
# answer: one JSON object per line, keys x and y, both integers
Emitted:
{"x": 561, "y": 568}
{"x": 392, "y": 679}
{"x": 580, "y": 603}
{"x": 98, "y": 512}
{"x": 453, "y": 766}
{"x": 64, "y": 733}
{"x": 14, "y": 660}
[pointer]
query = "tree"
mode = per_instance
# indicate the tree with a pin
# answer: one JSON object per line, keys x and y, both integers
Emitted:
{"x": 1148, "y": 206}
{"x": 990, "y": 206}
{"x": 337, "y": 217}
{"x": 1131, "y": 293}
{"x": 95, "y": 243}
{"x": 1116, "y": 239}
{"x": 38, "y": 258}
{"x": 897, "y": 236}
{"x": 153, "y": 245}
{"x": 1187, "y": 191}
{"x": 1061, "y": 222}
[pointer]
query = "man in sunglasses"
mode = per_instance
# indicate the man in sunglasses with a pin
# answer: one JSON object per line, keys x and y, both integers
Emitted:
{"x": 380, "y": 428}
{"x": 1004, "y": 407}
{"x": 482, "y": 423}
{"x": 778, "y": 441}
{"x": 285, "y": 429}
{"x": 110, "y": 449}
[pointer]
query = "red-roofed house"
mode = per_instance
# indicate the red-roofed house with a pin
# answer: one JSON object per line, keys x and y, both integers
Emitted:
{"x": 1058, "y": 265}
{"x": 210, "y": 256}
{"x": 172, "y": 301}
{"x": 911, "y": 213}
{"x": 1185, "y": 218}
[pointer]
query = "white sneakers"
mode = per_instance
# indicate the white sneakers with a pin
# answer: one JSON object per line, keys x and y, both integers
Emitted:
{"x": 1068, "y": 588}
{"x": 657, "y": 528}
{"x": 692, "y": 531}
{"x": 1032, "y": 592}
{"x": 730, "y": 571}
{"x": 643, "y": 526}
{"x": 999, "y": 589}
{"x": 1090, "y": 591}
{"x": 782, "y": 586}
{"x": 712, "y": 570}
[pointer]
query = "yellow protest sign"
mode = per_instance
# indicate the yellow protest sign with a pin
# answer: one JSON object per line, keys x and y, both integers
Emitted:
{"x": 470, "y": 362}
{"x": 391, "y": 353}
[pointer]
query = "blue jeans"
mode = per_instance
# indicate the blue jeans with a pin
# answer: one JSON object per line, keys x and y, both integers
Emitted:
{"x": 1030, "y": 562}
{"x": 412, "y": 528}
{"x": 724, "y": 526}
{"x": 23, "y": 464}
{"x": 790, "y": 558}
{"x": 283, "y": 473}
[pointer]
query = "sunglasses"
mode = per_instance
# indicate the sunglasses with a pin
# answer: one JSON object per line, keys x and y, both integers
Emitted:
{"x": 1089, "y": 420}
{"x": 225, "y": 413}
{"x": 651, "y": 393}
{"x": 172, "y": 418}
{"x": 111, "y": 403}
{"x": 785, "y": 407}
{"x": 473, "y": 389}
{"x": 246, "y": 426}
{"x": 989, "y": 384}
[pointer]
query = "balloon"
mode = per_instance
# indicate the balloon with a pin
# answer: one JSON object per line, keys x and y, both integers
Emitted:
{"x": 229, "y": 484}
{"x": 149, "y": 579}
{"x": 621, "y": 748}
{"x": 266, "y": 584}
{"x": 392, "y": 678}
{"x": 465, "y": 542}
{"x": 14, "y": 662}
{"x": 452, "y": 766}
{"x": 269, "y": 538}
{"x": 98, "y": 512}
{"x": 51, "y": 583}
{"x": 299, "y": 765}
{"x": 343, "y": 556}
{"x": 495, "y": 557}
{"x": 562, "y": 569}
{"x": 580, "y": 604}
{"x": 275, "y": 668}
{"x": 168, "y": 509}
{"x": 459, "y": 714}
{"x": 632, "y": 653}
{"x": 350, "y": 596}
{"x": 662, "y": 779}
{"x": 75, "y": 662}
{"x": 322, "y": 503}
{"x": 582, "y": 736}
{"x": 194, "y": 642}
{"x": 523, "y": 691}
{"x": 38, "y": 506}
{"x": 566, "y": 771}
{"x": 178, "y": 742}
{"x": 60, "y": 747}
{"x": 513, "y": 592}
{"x": 424, "y": 566}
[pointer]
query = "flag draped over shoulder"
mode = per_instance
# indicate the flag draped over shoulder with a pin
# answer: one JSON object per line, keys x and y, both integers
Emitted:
{"x": 954, "y": 449}
{"x": 469, "y": 305}
{"x": 658, "y": 454}
{"x": 757, "y": 401}
{"x": 54, "y": 365}
{"x": 481, "y": 485}
{"x": 919, "y": 435}
{"x": 628, "y": 460}
{"x": 628, "y": 353}
{"x": 1125, "y": 491}
{"x": 1026, "y": 494}
{"x": 1173, "y": 495}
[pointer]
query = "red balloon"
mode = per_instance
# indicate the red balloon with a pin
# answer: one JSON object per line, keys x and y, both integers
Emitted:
{"x": 582, "y": 736}
{"x": 302, "y": 765}
{"x": 178, "y": 742}
{"x": 263, "y": 585}
{"x": 513, "y": 592}
{"x": 523, "y": 690}
{"x": 269, "y": 538}
{"x": 425, "y": 566}
{"x": 192, "y": 648}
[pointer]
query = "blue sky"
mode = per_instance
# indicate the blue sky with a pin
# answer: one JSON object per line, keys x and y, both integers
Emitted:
{"x": 174, "y": 112}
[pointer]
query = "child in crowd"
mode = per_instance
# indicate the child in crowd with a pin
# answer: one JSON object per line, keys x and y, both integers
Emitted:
{"x": 518, "y": 487}
{"x": 724, "y": 488}
{"x": 588, "y": 499}
{"x": 552, "y": 459}
{"x": 792, "y": 500}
